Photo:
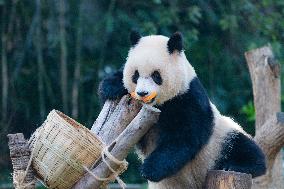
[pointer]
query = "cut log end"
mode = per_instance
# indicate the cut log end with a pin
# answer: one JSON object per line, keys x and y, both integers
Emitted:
{"x": 218, "y": 179}
{"x": 265, "y": 51}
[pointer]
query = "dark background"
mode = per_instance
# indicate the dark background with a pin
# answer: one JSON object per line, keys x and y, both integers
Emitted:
{"x": 55, "y": 52}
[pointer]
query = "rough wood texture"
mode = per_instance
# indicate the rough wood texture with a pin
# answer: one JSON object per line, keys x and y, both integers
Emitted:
{"x": 118, "y": 125}
{"x": 271, "y": 143}
{"x": 114, "y": 118}
{"x": 20, "y": 156}
{"x": 265, "y": 75}
{"x": 227, "y": 180}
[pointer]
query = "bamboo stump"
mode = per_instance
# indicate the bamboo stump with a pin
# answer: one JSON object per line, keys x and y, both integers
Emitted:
{"x": 228, "y": 180}
{"x": 20, "y": 156}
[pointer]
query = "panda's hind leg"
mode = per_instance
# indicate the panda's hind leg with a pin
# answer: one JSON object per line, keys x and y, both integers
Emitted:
{"x": 242, "y": 154}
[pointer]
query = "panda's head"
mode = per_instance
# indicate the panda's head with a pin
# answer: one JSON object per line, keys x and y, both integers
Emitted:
{"x": 156, "y": 68}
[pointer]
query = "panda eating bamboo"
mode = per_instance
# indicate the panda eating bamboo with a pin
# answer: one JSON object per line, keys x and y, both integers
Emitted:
{"x": 191, "y": 136}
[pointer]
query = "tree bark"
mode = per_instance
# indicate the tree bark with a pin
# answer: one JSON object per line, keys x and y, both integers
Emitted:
{"x": 4, "y": 68}
{"x": 63, "y": 55}
{"x": 265, "y": 75}
{"x": 77, "y": 69}
{"x": 20, "y": 156}
{"x": 119, "y": 115}
{"x": 227, "y": 180}
{"x": 39, "y": 56}
{"x": 105, "y": 36}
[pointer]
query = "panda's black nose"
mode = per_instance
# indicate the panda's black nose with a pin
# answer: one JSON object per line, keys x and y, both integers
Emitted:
{"x": 142, "y": 93}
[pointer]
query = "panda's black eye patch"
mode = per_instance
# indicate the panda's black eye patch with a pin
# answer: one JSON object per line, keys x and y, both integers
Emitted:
{"x": 135, "y": 76}
{"x": 156, "y": 76}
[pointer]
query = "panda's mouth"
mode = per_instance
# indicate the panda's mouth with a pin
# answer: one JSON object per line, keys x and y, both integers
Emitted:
{"x": 147, "y": 99}
{"x": 151, "y": 101}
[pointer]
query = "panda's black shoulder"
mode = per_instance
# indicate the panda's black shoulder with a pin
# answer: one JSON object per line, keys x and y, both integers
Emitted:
{"x": 188, "y": 116}
{"x": 191, "y": 106}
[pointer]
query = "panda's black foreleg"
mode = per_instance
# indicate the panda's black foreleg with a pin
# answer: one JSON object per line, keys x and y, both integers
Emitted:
{"x": 111, "y": 87}
{"x": 164, "y": 161}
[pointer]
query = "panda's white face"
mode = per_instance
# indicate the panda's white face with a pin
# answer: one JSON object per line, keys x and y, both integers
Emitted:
{"x": 150, "y": 70}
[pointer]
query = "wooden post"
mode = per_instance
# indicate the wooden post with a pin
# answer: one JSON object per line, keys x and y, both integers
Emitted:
{"x": 121, "y": 140}
{"x": 227, "y": 180}
{"x": 265, "y": 74}
{"x": 20, "y": 156}
{"x": 114, "y": 118}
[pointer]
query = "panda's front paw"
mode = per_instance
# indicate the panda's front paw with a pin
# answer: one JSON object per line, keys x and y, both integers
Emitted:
{"x": 150, "y": 172}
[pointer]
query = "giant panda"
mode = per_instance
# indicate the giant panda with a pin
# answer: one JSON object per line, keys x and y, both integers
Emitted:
{"x": 191, "y": 136}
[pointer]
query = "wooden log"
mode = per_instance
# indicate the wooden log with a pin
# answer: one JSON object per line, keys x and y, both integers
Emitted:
{"x": 217, "y": 179}
{"x": 115, "y": 117}
{"x": 265, "y": 74}
{"x": 119, "y": 148}
{"x": 273, "y": 133}
{"x": 20, "y": 156}
{"x": 104, "y": 115}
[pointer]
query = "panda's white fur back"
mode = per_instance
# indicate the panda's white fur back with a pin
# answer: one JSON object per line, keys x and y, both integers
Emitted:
{"x": 194, "y": 173}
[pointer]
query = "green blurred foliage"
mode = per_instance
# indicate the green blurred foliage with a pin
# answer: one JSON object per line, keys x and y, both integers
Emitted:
{"x": 216, "y": 35}
{"x": 249, "y": 111}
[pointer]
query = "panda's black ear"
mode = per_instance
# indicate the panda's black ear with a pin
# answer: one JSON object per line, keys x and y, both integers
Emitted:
{"x": 135, "y": 36}
{"x": 175, "y": 43}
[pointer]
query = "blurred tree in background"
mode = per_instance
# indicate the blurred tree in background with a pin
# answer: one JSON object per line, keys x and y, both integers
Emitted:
{"x": 55, "y": 52}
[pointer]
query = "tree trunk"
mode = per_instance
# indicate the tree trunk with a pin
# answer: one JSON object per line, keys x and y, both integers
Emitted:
{"x": 227, "y": 180}
{"x": 77, "y": 69}
{"x": 20, "y": 156}
{"x": 39, "y": 56}
{"x": 265, "y": 75}
{"x": 63, "y": 55}
{"x": 4, "y": 68}
{"x": 107, "y": 31}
